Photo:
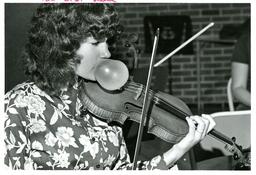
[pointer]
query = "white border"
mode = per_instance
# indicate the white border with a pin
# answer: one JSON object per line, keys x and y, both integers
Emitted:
{"x": 253, "y": 118}
{"x": 135, "y": 1}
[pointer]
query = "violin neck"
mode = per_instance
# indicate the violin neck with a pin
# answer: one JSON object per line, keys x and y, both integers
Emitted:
{"x": 221, "y": 137}
{"x": 182, "y": 115}
{"x": 171, "y": 109}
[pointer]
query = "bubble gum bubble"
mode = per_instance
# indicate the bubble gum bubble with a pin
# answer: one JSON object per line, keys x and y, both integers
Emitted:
{"x": 111, "y": 74}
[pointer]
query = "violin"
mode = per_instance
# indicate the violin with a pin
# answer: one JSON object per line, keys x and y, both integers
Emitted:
{"x": 165, "y": 117}
{"x": 126, "y": 104}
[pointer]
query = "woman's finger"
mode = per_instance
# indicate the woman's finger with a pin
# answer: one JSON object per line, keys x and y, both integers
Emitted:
{"x": 212, "y": 122}
{"x": 207, "y": 123}
{"x": 191, "y": 125}
{"x": 200, "y": 129}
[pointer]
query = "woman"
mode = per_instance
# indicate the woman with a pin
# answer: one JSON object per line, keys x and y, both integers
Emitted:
{"x": 45, "y": 125}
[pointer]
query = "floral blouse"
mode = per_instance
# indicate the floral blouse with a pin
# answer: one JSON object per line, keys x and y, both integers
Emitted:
{"x": 44, "y": 132}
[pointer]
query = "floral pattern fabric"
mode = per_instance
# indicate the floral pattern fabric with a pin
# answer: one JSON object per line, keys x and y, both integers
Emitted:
{"x": 44, "y": 132}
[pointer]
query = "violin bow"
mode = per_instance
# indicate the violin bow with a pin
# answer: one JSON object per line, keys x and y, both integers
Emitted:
{"x": 145, "y": 100}
{"x": 184, "y": 44}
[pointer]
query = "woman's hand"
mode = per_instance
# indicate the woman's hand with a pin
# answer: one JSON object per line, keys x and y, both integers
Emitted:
{"x": 198, "y": 129}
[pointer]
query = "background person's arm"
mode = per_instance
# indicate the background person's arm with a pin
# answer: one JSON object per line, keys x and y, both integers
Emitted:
{"x": 239, "y": 83}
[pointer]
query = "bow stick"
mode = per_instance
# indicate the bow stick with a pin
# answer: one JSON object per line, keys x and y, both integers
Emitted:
{"x": 145, "y": 104}
{"x": 184, "y": 44}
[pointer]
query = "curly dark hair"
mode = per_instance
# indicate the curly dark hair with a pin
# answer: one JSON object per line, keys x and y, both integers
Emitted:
{"x": 56, "y": 32}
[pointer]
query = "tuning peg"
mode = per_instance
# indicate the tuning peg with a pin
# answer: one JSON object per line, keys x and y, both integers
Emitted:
{"x": 236, "y": 157}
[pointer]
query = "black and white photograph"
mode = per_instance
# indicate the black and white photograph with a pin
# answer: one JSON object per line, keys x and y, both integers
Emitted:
{"x": 119, "y": 85}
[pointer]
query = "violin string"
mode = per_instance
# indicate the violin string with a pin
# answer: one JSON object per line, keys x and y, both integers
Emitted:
{"x": 136, "y": 87}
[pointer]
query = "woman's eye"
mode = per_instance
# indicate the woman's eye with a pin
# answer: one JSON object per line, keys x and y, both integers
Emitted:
{"x": 95, "y": 43}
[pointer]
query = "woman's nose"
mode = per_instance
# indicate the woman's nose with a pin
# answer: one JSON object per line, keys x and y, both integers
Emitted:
{"x": 104, "y": 51}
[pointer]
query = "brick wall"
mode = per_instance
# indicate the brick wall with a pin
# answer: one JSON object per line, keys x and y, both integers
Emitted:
{"x": 215, "y": 59}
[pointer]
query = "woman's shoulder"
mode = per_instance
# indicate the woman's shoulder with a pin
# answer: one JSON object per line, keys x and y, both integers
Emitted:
{"x": 19, "y": 88}
{"x": 23, "y": 85}
{"x": 25, "y": 89}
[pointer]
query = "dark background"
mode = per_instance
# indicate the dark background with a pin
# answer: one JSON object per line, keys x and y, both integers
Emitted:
{"x": 17, "y": 19}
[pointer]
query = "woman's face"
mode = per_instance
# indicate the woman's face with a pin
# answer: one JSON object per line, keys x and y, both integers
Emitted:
{"x": 91, "y": 52}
